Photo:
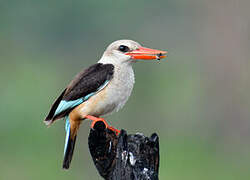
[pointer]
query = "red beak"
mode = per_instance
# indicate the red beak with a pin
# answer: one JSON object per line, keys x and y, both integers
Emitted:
{"x": 147, "y": 54}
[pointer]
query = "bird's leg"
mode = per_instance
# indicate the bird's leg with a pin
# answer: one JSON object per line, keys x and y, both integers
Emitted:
{"x": 95, "y": 119}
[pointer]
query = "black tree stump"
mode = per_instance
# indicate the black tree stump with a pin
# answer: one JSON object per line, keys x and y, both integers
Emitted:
{"x": 124, "y": 157}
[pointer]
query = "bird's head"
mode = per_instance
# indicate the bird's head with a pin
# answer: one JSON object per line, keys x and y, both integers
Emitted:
{"x": 127, "y": 51}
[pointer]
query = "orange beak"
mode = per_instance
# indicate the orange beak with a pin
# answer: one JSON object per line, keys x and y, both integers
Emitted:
{"x": 147, "y": 54}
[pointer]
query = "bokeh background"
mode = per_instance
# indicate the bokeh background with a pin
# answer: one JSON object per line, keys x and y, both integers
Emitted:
{"x": 197, "y": 100}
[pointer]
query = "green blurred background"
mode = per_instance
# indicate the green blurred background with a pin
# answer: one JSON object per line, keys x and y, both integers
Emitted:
{"x": 197, "y": 100}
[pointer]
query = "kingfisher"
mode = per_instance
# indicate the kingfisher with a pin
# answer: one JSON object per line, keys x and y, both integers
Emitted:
{"x": 99, "y": 90}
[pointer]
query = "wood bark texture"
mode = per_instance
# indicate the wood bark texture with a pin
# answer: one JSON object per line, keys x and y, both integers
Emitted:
{"x": 124, "y": 157}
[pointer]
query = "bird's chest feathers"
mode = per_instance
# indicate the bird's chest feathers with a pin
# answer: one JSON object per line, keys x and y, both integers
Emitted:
{"x": 113, "y": 97}
{"x": 120, "y": 87}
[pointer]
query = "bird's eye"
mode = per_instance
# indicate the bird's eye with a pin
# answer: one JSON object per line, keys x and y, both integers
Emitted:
{"x": 123, "y": 48}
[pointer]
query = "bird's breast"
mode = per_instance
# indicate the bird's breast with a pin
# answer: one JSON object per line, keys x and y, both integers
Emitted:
{"x": 121, "y": 86}
{"x": 117, "y": 91}
{"x": 113, "y": 97}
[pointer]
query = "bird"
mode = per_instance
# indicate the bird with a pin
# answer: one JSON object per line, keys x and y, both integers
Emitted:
{"x": 99, "y": 90}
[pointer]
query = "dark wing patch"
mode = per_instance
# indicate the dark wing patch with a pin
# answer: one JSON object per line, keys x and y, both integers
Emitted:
{"x": 88, "y": 81}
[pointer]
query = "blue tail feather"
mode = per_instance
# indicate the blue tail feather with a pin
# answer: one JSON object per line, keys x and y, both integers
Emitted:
{"x": 69, "y": 145}
{"x": 67, "y": 129}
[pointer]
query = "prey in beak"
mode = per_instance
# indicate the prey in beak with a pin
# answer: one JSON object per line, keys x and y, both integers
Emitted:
{"x": 147, "y": 54}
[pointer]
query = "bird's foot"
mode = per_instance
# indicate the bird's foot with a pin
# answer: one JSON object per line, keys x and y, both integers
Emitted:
{"x": 116, "y": 131}
{"x": 95, "y": 119}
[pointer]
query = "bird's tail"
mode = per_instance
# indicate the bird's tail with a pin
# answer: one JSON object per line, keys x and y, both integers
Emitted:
{"x": 69, "y": 146}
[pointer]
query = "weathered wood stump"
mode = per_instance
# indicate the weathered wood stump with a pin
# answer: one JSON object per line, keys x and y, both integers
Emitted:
{"x": 124, "y": 157}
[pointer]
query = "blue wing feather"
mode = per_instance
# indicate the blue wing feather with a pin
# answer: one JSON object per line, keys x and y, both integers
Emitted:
{"x": 64, "y": 105}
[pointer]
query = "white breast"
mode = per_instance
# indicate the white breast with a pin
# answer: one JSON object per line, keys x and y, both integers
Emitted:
{"x": 117, "y": 91}
{"x": 121, "y": 85}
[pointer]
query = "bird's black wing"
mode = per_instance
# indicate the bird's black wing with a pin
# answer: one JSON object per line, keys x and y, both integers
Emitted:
{"x": 83, "y": 86}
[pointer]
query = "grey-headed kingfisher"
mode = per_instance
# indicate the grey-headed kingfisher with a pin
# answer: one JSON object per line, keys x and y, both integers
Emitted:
{"x": 99, "y": 90}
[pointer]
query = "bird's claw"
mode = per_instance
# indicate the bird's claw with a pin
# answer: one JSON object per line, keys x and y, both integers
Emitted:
{"x": 97, "y": 119}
